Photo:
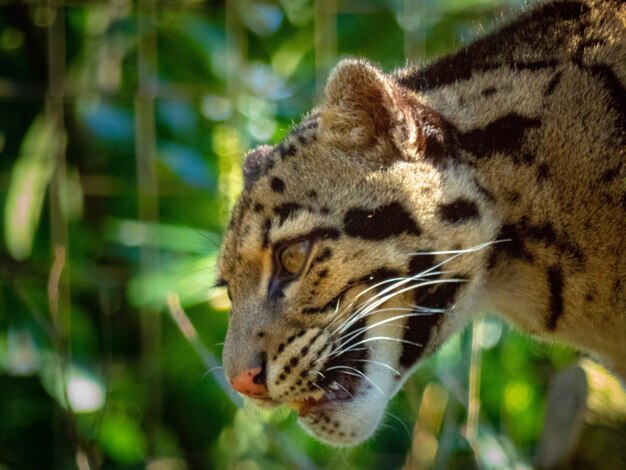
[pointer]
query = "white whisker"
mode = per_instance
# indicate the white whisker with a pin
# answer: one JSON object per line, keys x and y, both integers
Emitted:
{"x": 356, "y": 373}
{"x": 370, "y": 361}
{"x": 387, "y": 338}
{"x": 356, "y": 333}
{"x": 211, "y": 370}
{"x": 360, "y": 313}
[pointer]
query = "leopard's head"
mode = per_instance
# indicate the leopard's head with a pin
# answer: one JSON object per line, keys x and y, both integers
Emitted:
{"x": 342, "y": 257}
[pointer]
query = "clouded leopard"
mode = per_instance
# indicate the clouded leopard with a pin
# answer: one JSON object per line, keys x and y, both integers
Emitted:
{"x": 406, "y": 204}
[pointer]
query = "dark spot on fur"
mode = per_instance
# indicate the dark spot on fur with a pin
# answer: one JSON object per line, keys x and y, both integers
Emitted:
{"x": 458, "y": 211}
{"x": 324, "y": 255}
{"x": 258, "y": 207}
{"x": 260, "y": 334}
{"x": 278, "y": 185}
{"x": 555, "y": 292}
{"x": 374, "y": 277}
{"x": 379, "y": 223}
{"x": 324, "y": 233}
{"x": 286, "y": 210}
{"x": 286, "y": 150}
{"x": 610, "y": 174}
{"x": 322, "y": 274}
{"x": 543, "y": 172}
{"x": 504, "y": 135}
{"x": 590, "y": 296}
{"x": 523, "y": 230}
{"x": 290, "y": 339}
{"x": 281, "y": 348}
{"x": 331, "y": 304}
{"x": 553, "y": 84}
{"x": 482, "y": 190}
{"x": 312, "y": 194}
{"x": 511, "y": 244}
{"x": 325, "y": 210}
{"x": 435, "y": 149}
{"x": 421, "y": 262}
{"x": 513, "y": 197}
{"x": 487, "y": 92}
{"x": 527, "y": 159}
{"x": 267, "y": 224}
{"x": 439, "y": 136}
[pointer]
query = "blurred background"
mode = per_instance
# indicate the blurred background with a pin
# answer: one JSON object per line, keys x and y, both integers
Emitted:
{"x": 122, "y": 129}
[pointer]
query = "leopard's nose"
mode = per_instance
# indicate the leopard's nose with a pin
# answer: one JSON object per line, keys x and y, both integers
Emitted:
{"x": 250, "y": 383}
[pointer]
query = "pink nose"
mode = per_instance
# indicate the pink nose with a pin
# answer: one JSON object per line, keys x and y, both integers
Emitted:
{"x": 250, "y": 383}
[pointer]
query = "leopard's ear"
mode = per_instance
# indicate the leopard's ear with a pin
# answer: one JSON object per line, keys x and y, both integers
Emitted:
{"x": 362, "y": 108}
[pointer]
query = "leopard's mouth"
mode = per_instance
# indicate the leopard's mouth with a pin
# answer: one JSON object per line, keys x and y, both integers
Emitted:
{"x": 335, "y": 393}
{"x": 340, "y": 382}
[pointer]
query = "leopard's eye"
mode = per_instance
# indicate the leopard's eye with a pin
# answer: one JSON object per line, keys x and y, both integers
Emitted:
{"x": 294, "y": 256}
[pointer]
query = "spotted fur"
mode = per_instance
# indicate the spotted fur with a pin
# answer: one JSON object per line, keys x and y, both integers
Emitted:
{"x": 492, "y": 180}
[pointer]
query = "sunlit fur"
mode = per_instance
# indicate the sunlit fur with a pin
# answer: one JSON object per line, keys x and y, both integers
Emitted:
{"x": 491, "y": 181}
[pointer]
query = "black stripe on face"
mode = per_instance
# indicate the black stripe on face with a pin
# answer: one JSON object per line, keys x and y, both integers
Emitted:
{"x": 286, "y": 210}
{"x": 555, "y": 293}
{"x": 267, "y": 225}
{"x": 379, "y": 223}
{"x": 440, "y": 296}
{"x": 420, "y": 263}
{"x": 420, "y": 327}
{"x": 458, "y": 211}
{"x": 419, "y": 330}
{"x": 372, "y": 278}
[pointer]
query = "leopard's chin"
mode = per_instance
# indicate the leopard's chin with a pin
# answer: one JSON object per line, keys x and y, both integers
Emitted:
{"x": 344, "y": 421}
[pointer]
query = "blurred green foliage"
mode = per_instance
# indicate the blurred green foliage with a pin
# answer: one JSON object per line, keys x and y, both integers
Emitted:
{"x": 128, "y": 157}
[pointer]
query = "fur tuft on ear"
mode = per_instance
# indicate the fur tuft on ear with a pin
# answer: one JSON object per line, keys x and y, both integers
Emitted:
{"x": 256, "y": 162}
{"x": 363, "y": 108}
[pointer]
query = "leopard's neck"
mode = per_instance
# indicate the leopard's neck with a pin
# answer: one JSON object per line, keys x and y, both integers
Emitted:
{"x": 551, "y": 170}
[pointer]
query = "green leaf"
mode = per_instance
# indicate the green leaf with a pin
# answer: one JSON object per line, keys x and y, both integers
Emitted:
{"x": 122, "y": 439}
{"x": 29, "y": 178}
